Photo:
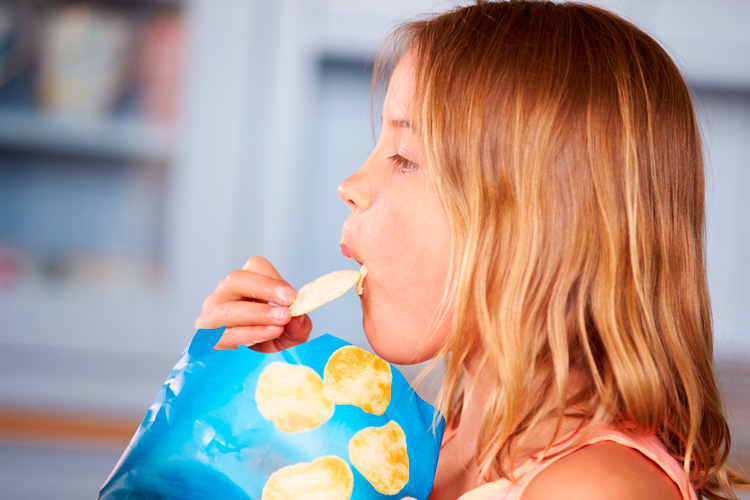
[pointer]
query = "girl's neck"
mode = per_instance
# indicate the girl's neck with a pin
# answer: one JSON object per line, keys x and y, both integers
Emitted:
{"x": 478, "y": 388}
{"x": 459, "y": 468}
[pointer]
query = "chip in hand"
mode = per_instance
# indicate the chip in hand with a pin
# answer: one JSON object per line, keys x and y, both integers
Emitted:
{"x": 323, "y": 290}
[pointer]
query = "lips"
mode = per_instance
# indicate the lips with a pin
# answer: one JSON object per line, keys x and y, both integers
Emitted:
{"x": 349, "y": 253}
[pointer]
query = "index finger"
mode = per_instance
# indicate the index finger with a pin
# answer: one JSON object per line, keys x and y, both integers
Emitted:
{"x": 260, "y": 265}
{"x": 243, "y": 285}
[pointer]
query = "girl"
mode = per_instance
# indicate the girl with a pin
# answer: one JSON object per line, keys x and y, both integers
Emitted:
{"x": 533, "y": 213}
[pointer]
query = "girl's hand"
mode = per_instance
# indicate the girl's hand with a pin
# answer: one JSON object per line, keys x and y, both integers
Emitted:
{"x": 242, "y": 302}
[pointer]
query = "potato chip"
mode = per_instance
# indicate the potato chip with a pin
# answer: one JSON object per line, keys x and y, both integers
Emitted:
{"x": 360, "y": 282}
{"x": 291, "y": 396}
{"x": 356, "y": 377}
{"x": 324, "y": 289}
{"x": 379, "y": 454}
{"x": 326, "y": 478}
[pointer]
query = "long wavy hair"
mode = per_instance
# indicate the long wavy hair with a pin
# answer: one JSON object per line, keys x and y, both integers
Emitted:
{"x": 563, "y": 145}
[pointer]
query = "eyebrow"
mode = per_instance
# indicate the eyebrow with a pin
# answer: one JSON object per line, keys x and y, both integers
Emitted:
{"x": 397, "y": 123}
{"x": 401, "y": 124}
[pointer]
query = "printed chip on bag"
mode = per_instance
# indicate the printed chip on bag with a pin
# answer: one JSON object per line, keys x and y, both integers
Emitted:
{"x": 292, "y": 397}
{"x": 356, "y": 377}
{"x": 326, "y": 478}
{"x": 379, "y": 454}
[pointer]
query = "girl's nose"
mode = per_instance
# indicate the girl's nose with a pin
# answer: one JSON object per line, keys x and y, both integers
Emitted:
{"x": 356, "y": 190}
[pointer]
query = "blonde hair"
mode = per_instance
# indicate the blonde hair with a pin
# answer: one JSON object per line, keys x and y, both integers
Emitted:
{"x": 562, "y": 143}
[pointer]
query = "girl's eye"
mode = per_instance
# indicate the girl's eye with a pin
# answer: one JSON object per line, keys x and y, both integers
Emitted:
{"x": 404, "y": 166}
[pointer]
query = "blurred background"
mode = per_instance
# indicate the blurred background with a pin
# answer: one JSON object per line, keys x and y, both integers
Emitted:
{"x": 149, "y": 147}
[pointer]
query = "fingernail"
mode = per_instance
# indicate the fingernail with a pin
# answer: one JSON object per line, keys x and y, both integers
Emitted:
{"x": 285, "y": 295}
{"x": 280, "y": 313}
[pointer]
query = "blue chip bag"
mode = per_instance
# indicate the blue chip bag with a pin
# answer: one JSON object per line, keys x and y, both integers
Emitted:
{"x": 323, "y": 419}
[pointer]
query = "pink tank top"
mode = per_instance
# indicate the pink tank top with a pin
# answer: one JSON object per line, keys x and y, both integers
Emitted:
{"x": 649, "y": 446}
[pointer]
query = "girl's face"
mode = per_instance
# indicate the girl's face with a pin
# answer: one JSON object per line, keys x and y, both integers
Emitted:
{"x": 399, "y": 230}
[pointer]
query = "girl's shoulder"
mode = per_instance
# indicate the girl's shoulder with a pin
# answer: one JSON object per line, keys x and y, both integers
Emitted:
{"x": 606, "y": 469}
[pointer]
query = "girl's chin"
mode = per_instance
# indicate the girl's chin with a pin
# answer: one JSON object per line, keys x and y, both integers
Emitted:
{"x": 382, "y": 342}
{"x": 393, "y": 345}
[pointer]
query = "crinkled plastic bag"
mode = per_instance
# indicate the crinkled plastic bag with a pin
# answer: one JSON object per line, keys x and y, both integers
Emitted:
{"x": 205, "y": 437}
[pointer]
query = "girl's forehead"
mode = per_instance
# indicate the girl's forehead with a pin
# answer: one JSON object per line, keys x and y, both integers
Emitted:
{"x": 397, "y": 105}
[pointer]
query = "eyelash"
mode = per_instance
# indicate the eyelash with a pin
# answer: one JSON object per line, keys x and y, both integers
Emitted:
{"x": 404, "y": 166}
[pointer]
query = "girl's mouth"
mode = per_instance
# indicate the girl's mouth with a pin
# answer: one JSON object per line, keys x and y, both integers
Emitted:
{"x": 349, "y": 253}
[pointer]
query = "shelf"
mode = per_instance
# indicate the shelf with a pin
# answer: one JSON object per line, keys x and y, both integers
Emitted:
{"x": 134, "y": 3}
{"x": 63, "y": 135}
